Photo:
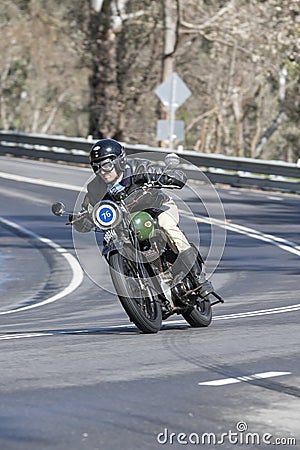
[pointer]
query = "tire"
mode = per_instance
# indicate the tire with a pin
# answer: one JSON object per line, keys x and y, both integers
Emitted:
{"x": 144, "y": 312}
{"x": 199, "y": 317}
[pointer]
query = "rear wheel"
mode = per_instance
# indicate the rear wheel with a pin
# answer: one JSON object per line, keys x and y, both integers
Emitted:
{"x": 199, "y": 315}
{"x": 136, "y": 294}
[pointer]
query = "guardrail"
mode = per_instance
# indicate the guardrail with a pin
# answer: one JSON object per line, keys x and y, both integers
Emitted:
{"x": 234, "y": 171}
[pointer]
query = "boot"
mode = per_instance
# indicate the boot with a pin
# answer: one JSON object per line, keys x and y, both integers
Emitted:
{"x": 187, "y": 262}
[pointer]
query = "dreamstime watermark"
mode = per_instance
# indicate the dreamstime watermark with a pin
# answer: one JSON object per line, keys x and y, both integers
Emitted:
{"x": 239, "y": 436}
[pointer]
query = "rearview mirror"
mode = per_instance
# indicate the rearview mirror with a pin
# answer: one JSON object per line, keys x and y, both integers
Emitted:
{"x": 58, "y": 208}
{"x": 172, "y": 160}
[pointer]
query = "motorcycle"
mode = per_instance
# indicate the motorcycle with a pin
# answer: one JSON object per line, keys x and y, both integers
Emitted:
{"x": 140, "y": 262}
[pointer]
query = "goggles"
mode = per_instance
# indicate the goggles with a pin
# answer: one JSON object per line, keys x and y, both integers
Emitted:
{"x": 107, "y": 165}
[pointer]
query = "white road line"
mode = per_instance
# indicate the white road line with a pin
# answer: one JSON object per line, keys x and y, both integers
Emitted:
{"x": 77, "y": 273}
{"x": 256, "y": 376}
{"x": 21, "y": 178}
{"x": 260, "y": 312}
{"x": 8, "y": 337}
{"x": 244, "y": 315}
{"x": 284, "y": 244}
{"x": 277, "y": 199}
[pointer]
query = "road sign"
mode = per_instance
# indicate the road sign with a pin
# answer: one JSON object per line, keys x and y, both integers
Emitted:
{"x": 163, "y": 130}
{"x": 173, "y": 92}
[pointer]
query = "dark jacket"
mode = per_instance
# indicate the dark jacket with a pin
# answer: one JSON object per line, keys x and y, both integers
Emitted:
{"x": 136, "y": 174}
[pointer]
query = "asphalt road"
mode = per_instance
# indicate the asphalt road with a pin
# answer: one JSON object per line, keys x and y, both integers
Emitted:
{"x": 76, "y": 374}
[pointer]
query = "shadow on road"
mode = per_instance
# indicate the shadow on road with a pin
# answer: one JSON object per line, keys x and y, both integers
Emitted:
{"x": 117, "y": 330}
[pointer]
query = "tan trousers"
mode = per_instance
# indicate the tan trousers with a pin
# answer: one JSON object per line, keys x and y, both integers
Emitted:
{"x": 168, "y": 222}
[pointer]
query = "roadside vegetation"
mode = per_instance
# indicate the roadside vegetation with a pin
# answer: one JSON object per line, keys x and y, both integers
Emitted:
{"x": 81, "y": 68}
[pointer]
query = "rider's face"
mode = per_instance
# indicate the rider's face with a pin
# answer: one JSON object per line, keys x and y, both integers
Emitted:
{"x": 106, "y": 169}
{"x": 108, "y": 177}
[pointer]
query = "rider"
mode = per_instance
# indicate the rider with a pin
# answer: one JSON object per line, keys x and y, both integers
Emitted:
{"x": 114, "y": 177}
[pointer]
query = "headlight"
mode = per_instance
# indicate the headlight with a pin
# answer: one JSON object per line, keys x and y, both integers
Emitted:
{"x": 107, "y": 215}
{"x": 143, "y": 224}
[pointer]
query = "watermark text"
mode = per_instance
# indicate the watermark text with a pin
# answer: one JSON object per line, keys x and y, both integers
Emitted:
{"x": 239, "y": 436}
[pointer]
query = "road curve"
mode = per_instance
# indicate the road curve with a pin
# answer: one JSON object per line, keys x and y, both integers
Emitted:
{"x": 76, "y": 374}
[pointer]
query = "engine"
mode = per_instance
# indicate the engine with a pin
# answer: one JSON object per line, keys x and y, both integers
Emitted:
{"x": 180, "y": 290}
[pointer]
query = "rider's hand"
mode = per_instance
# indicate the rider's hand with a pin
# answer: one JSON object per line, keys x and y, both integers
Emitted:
{"x": 81, "y": 222}
{"x": 116, "y": 191}
{"x": 175, "y": 177}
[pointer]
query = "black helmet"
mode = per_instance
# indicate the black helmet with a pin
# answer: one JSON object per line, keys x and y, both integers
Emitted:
{"x": 108, "y": 149}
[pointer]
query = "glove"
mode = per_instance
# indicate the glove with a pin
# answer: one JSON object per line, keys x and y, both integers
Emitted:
{"x": 116, "y": 191}
{"x": 82, "y": 224}
{"x": 174, "y": 177}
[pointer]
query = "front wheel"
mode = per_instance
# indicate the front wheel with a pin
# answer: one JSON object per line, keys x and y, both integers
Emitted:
{"x": 136, "y": 294}
{"x": 199, "y": 315}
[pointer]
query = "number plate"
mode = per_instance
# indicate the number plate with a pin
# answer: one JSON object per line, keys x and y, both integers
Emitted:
{"x": 107, "y": 214}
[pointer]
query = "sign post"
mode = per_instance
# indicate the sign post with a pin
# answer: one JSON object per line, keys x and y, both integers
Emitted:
{"x": 173, "y": 92}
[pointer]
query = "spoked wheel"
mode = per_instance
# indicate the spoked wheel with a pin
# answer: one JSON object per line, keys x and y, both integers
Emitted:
{"x": 136, "y": 294}
{"x": 199, "y": 315}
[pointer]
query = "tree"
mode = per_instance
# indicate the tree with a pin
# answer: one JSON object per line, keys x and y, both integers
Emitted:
{"x": 124, "y": 42}
{"x": 242, "y": 47}
{"x": 41, "y": 78}
{"x": 71, "y": 69}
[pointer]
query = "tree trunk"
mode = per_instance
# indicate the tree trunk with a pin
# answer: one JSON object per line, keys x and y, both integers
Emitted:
{"x": 237, "y": 109}
{"x": 104, "y": 90}
{"x": 3, "y": 112}
{"x": 171, "y": 21}
{"x": 280, "y": 116}
{"x": 266, "y": 136}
